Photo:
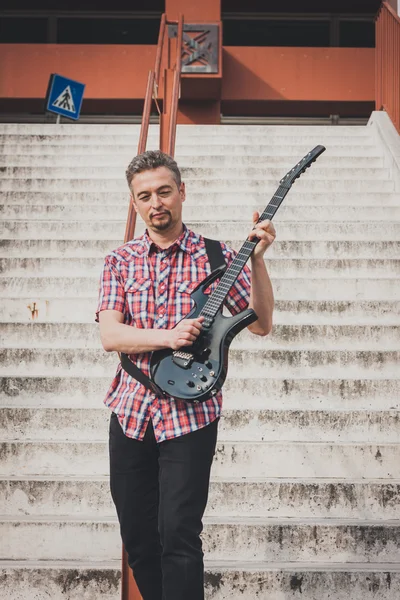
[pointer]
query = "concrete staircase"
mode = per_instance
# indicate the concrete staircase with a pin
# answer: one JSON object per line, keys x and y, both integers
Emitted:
{"x": 305, "y": 497}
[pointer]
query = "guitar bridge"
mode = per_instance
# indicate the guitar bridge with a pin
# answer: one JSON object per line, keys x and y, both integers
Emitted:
{"x": 183, "y": 359}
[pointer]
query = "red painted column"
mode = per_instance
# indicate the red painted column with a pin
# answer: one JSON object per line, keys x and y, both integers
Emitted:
{"x": 203, "y": 107}
{"x": 206, "y": 11}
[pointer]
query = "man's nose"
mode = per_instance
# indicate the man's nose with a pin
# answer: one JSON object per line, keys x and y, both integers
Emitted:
{"x": 155, "y": 200}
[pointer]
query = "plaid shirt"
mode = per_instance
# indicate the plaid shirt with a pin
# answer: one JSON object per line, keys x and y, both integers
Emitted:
{"x": 151, "y": 287}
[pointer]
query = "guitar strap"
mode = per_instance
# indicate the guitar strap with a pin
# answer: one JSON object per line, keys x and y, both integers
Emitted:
{"x": 216, "y": 259}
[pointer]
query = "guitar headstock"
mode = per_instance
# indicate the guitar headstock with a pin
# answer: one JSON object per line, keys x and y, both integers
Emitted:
{"x": 301, "y": 166}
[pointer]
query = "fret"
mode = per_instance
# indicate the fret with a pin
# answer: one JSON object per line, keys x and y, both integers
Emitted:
{"x": 217, "y": 298}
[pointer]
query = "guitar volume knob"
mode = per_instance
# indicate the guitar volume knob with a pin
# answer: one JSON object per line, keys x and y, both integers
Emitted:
{"x": 190, "y": 383}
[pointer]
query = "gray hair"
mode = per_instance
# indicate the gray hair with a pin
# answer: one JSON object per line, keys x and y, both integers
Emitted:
{"x": 152, "y": 159}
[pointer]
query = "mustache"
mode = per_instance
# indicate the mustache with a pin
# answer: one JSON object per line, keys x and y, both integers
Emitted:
{"x": 163, "y": 212}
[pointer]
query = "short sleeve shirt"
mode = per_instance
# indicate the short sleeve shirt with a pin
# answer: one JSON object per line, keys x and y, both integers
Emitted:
{"x": 151, "y": 287}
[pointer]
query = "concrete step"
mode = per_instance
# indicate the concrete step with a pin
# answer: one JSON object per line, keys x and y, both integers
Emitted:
{"x": 203, "y": 159}
{"x": 276, "y": 498}
{"x": 238, "y": 186}
{"x": 233, "y": 459}
{"x": 302, "y": 312}
{"x": 312, "y": 337}
{"x": 202, "y": 138}
{"x": 41, "y": 580}
{"x": 277, "y": 267}
{"x": 66, "y": 198}
{"x": 72, "y": 391}
{"x": 270, "y": 540}
{"x": 295, "y": 231}
{"x": 249, "y": 363}
{"x": 289, "y": 288}
{"x": 194, "y": 173}
{"x": 221, "y": 213}
{"x": 60, "y": 580}
{"x": 134, "y": 129}
{"x": 294, "y": 148}
{"x": 75, "y": 425}
{"x": 345, "y": 249}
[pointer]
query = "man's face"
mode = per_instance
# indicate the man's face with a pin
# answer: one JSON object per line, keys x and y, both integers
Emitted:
{"x": 157, "y": 198}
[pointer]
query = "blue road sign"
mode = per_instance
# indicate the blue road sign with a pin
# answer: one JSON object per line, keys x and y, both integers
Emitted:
{"x": 65, "y": 96}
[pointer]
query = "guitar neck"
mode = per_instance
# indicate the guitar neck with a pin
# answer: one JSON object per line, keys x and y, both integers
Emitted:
{"x": 217, "y": 298}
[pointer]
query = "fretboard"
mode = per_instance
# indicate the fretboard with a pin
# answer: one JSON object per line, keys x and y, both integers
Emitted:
{"x": 216, "y": 299}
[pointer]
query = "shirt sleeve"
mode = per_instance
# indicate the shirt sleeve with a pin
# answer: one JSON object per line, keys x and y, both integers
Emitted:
{"x": 239, "y": 295}
{"x": 111, "y": 289}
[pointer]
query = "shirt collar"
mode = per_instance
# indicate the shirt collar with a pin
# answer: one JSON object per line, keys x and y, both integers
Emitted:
{"x": 184, "y": 242}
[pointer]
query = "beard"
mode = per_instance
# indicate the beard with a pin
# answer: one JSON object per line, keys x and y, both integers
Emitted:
{"x": 163, "y": 222}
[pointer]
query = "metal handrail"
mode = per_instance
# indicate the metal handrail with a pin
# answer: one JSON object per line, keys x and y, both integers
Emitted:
{"x": 387, "y": 63}
{"x": 153, "y": 82}
{"x": 175, "y": 90}
{"x": 160, "y": 45}
{"x": 129, "y": 590}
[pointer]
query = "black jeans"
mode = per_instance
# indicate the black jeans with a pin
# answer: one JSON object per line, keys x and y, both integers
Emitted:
{"x": 160, "y": 492}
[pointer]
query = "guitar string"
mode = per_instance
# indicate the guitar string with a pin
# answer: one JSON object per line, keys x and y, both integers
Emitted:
{"x": 216, "y": 299}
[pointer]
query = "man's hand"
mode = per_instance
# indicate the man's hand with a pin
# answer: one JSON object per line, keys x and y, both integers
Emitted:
{"x": 265, "y": 231}
{"x": 185, "y": 333}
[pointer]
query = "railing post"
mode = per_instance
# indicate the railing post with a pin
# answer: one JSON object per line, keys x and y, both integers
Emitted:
{"x": 175, "y": 90}
{"x": 129, "y": 589}
{"x": 168, "y": 118}
{"x": 165, "y": 118}
{"x": 387, "y": 63}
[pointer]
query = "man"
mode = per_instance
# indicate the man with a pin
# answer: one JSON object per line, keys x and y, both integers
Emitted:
{"x": 161, "y": 450}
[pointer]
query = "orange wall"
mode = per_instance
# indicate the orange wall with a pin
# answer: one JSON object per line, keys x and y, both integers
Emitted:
{"x": 108, "y": 71}
{"x": 120, "y": 72}
{"x": 298, "y": 74}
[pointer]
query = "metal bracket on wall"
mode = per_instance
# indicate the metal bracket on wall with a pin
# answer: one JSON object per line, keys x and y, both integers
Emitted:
{"x": 199, "y": 48}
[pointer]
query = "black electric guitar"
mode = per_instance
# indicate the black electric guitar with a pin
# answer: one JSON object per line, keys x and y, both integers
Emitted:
{"x": 195, "y": 373}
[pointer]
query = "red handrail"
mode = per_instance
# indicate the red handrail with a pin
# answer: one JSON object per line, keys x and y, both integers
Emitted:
{"x": 387, "y": 63}
{"x": 171, "y": 104}
{"x": 175, "y": 90}
{"x": 160, "y": 45}
{"x": 129, "y": 590}
{"x": 131, "y": 218}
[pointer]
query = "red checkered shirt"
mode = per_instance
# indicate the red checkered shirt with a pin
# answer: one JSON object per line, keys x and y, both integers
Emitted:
{"x": 151, "y": 287}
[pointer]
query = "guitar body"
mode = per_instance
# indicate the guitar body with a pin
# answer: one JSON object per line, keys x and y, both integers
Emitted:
{"x": 197, "y": 372}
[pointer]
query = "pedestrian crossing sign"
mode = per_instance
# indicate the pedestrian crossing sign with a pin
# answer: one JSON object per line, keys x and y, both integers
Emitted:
{"x": 64, "y": 96}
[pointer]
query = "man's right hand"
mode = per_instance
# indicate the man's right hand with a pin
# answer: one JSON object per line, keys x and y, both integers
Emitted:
{"x": 185, "y": 333}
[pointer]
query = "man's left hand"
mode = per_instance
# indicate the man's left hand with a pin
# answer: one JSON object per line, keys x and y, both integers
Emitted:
{"x": 265, "y": 232}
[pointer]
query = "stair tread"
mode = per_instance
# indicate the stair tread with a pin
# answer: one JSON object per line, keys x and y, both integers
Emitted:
{"x": 239, "y": 565}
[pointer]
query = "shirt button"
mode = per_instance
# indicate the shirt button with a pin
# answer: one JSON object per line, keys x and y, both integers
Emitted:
{"x": 161, "y": 311}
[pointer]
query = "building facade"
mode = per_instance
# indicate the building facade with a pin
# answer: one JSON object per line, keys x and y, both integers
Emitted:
{"x": 271, "y": 60}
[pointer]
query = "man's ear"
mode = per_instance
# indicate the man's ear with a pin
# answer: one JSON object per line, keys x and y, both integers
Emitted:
{"x": 182, "y": 191}
{"x": 133, "y": 202}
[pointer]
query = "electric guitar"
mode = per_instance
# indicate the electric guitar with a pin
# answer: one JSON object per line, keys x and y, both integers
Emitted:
{"x": 195, "y": 373}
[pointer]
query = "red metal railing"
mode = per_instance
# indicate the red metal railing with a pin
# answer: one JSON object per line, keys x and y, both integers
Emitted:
{"x": 168, "y": 118}
{"x": 387, "y": 63}
{"x": 168, "y": 115}
{"x": 175, "y": 91}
